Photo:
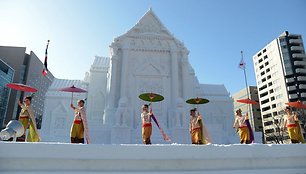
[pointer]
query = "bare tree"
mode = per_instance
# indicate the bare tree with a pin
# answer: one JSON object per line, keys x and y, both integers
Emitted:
{"x": 279, "y": 135}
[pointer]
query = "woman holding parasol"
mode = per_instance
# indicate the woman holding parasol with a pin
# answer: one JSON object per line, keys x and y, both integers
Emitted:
{"x": 147, "y": 116}
{"x": 291, "y": 123}
{"x": 197, "y": 130}
{"x": 26, "y": 116}
{"x": 79, "y": 125}
{"x": 27, "y": 119}
{"x": 241, "y": 125}
{"x": 146, "y": 124}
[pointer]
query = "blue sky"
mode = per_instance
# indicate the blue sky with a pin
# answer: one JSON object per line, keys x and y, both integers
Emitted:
{"x": 214, "y": 31}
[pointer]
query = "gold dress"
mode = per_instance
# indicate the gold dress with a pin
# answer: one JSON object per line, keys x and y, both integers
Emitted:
{"x": 244, "y": 133}
{"x": 293, "y": 129}
{"x": 79, "y": 127}
{"x": 26, "y": 115}
{"x": 195, "y": 128}
{"x": 146, "y": 127}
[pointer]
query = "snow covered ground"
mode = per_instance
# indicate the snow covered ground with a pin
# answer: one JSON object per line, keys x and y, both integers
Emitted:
{"x": 134, "y": 158}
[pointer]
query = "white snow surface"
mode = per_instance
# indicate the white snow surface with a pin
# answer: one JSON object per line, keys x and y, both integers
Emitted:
{"x": 158, "y": 158}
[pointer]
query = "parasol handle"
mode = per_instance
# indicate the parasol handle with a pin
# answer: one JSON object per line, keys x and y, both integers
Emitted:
{"x": 150, "y": 107}
{"x": 71, "y": 97}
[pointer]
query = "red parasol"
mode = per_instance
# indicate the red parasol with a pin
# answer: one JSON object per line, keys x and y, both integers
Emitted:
{"x": 297, "y": 104}
{"x": 72, "y": 89}
{"x": 21, "y": 87}
{"x": 247, "y": 101}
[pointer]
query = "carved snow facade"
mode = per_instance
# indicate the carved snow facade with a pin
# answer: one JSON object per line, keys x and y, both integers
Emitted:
{"x": 145, "y": 59}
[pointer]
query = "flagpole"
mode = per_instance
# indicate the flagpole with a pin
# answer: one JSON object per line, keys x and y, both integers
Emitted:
{"x": 245, "y": 78}
{"x": 246, "y": 86}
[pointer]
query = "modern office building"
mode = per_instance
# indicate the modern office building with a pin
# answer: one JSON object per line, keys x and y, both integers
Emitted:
{"x": 28, "y": 68}
{"x": 252, "y": 110}
{"x": 280, "y": 69}
{"x": 6, "y": 76}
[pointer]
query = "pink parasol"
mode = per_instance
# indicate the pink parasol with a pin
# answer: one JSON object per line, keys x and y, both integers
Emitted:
{"x": 21, "y": 87}
{"x": 72, "y": 89}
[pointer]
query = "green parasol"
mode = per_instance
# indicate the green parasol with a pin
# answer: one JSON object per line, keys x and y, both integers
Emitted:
{"x": 197, "y": 101}
{"x": 151, "y": 97}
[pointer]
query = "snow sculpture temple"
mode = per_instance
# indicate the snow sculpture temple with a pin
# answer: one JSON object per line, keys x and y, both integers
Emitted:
{"x": 148, "y": 58}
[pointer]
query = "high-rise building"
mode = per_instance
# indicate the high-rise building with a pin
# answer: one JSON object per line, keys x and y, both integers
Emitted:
{"x": 252, "y": 110}
{"x": 28, "y": 70}
{"x": 6, "y": 76}
{"x": 280, "y": 69}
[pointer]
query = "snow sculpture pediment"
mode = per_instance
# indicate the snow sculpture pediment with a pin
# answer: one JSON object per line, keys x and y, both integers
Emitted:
{"x": 149, "y": 24}
{"x": 150, "y": 34}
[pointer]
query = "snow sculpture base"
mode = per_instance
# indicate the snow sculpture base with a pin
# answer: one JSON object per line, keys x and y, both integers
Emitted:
{"x": 120, "y": 134}
{"x": 180, "y": 134}
{"x": 178, "y": 158}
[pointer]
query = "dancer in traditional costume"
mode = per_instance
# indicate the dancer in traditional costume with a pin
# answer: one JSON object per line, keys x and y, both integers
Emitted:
{"x": 291, "y": 122}
{"x": 241, "y": 123}
{"x": 27, "y": 117}
{"x": 146, "y": 124}
{"x": 198, "y": 132}
{"x": 79, "y": 125}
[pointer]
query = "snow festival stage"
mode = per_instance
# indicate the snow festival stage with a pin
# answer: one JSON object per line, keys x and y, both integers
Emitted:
{"x": 129, "y": 158}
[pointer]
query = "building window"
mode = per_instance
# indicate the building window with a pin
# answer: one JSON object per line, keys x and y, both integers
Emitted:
{"x": 277, "y": 88}
{"x": 268, "y": 123}
{"x": 267, "y": 116}
{"x": 263, "y": 87}
{"x": 266, "y": 108}
{"x": 276, "y": 81}
{"x": 268, "y": 131}
{"x": 269, "y": 77}
{"x": 259, "y": 54}
{"x": 274, "y": 74}
{"x": 262, "y": 73}
{"x": 263, "y": 94}
{"x": 264, "y": 101}
{"x": 276, "y": 121}
{"x": 272, "y": 67}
